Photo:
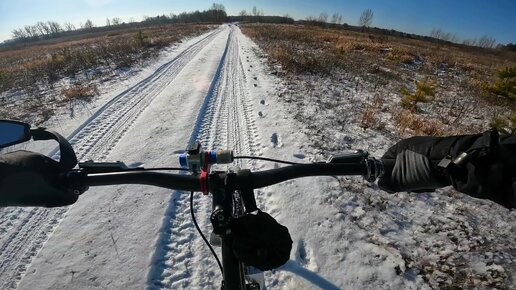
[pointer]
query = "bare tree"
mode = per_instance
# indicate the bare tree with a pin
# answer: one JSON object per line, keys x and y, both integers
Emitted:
{"x": 243, "y": 13}
{"x": 334, "y": 18}
{"x": 323, "y": 17}
{"x": 470, "y": 42}
{"x": 43, "y": 28}
{"x": 255, "y": 11}
{"x": 366, "y": 19}
{"x": 116, "y": 21}
{"x": 88, "y": 24}
{"x": 108, "y": 22}
{"x": 440, "y": 34}
{"x": 55, "y": 27}
{"x": 68, "y": 26}
{"x": 486, "y": 41}
{"x": 19, "y": 33}
{"x": 435, "y": 33}
{"x": 219, "y": 11}
{"x": 31, "y": 30}
{"x": 216, "y": 6}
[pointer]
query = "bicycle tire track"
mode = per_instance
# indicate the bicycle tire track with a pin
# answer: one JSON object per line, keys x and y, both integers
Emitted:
{"x": 93, "y": 140}
{"x": 224, "y": 121}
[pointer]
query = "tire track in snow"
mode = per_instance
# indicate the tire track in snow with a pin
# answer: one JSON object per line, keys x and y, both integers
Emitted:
{"x": 182, "y": 260}
{"x": 92, "y": 140}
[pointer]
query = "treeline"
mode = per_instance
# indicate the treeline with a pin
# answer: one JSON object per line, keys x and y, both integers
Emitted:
{"x": 508, "y": 47}
{"x": 485, "y": 41}
{"x": 264, "y": 19}
{"x": 436, "y": 36}
{"x": 216, "y": 14}
{"x": 52, "y": 29}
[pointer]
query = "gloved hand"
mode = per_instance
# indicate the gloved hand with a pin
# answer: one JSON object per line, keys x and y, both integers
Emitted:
{"x": 488, "y": 171}
{"x": 260, "y": 241}
{"x": 413, "y": 162}
{"x": 30, "y": 179}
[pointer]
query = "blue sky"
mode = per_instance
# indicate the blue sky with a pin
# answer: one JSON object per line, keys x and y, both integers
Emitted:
{"x": 466, "y": 18}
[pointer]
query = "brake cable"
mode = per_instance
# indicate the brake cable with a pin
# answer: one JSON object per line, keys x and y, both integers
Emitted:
{"x": 266, "y": 159}
{"x": 202, "y": 235}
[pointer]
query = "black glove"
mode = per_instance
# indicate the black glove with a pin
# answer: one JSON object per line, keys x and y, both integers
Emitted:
{"x": 488, "y": 171}
{"x": 30, "y": 179}
{"x": 411, "y": 165}
{"x": 260, "y": 241}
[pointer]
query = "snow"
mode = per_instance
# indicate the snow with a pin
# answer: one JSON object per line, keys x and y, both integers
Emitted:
{"x": 217, "y": 88}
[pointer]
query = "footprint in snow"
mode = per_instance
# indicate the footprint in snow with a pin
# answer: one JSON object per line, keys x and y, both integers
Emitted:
{"x": 261, "y": 114}
{"x": 301, "y": 255}
{"x": 276, "y": 140}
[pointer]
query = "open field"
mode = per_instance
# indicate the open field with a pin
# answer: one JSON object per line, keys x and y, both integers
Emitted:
{"x": 350, "y": 90}
{"x": 390, "y": 68}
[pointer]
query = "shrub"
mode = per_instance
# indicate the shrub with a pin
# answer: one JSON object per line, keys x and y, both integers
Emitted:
{"x": 425, "y": 89}
{"x": 418, "y": 125}
{"x": 505, "y": 84}
{"x": 79, "y": 92}
{"x": 505, "y": 124}
{"x": 371, "y": 114}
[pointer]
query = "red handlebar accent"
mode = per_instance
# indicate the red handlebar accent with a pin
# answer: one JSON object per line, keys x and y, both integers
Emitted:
{"x": 204, "y": 174}
{"x": 203, "y": 178}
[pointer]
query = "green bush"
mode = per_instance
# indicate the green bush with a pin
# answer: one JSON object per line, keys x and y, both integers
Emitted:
{"x": 425, "y": 90}
{"x": 505, "y": 124}
{"x": 505, "y": 84}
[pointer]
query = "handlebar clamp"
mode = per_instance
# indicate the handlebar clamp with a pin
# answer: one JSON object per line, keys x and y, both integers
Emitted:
{"x": 375, "y": 169}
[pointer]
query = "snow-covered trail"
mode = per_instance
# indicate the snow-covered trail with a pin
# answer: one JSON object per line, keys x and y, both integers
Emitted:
{"x": 225, "y": 121}
{"x": 27, "y": 230}
{"x": 135, "y": 236}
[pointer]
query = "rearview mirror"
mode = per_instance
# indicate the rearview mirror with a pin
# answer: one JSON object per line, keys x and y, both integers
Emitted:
{"x": 13, "y": 132}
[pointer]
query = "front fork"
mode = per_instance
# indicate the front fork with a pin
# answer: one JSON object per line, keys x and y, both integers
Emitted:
{"x": 224, "y": 210}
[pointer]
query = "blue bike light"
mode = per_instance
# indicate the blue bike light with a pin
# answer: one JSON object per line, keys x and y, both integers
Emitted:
{"x": 183, "y": 160}
{"x": 213, "y": 157}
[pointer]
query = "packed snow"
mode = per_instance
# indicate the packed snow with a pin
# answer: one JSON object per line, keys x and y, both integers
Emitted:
{"x": 218, "y": 88}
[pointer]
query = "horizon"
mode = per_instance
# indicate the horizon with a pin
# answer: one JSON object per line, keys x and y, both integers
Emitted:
{"x": 455, "y": 18}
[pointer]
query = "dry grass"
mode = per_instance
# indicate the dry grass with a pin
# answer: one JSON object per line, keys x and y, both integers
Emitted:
{"x": 46, "y": 62}
{"x": 300, "y": 48}
{"x": 371, "y": 114}
{"x": 449, "y": 79}
{"x": 29, "y": 72}
{"x": 410, "y": 123}
{"x": 79, "y": 92}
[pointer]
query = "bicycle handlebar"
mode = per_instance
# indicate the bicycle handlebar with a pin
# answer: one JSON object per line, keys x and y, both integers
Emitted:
{"x": 369, "y": 168}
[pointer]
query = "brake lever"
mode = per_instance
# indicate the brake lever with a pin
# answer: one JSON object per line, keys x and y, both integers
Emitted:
{"x": 351, "y": 157}
{"x": 103, "y": 167}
